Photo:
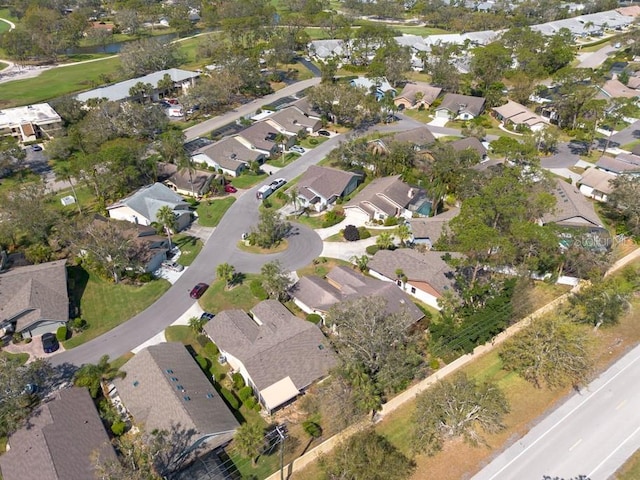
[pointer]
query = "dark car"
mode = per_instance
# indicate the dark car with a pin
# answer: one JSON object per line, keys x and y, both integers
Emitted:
{"x": 36, "y": 148}
{"x": 49, "y": 343}
{"x": 198, "y": 290}
{"x": 230, "y": 188}
{"x": 206, "y": 316}
{"x": 324, "y": 133}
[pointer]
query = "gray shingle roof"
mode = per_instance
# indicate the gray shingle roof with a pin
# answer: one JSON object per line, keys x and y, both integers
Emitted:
{"x": 469, "y": 143}
{"x": 572, "y": 208}
{"x": 148, "y": 200}
{"x": 344, "y": 284}
{"x": 431, "y": 227}
{"x": 457, "y": 104}
{"x": 420, "y": 136}
{"x": 283, "y": 345}
{"x": 60, "y": 441}
{"x": 37, "y": 292}
{"x": 419, "y": 267}
{"x": 165, "y": 389}
{"x": 386, "y": 194}
{"x": 327, "y": 182}
{"x": 598, "y": 179}
{"x": 429, "y": 92}
{"x": 260, "y": 135}
{"x": 293, "y": 119}
{"x": 120, "y": 91}
{"x": 229, "y": 153}
{"x": 624, "y": 162}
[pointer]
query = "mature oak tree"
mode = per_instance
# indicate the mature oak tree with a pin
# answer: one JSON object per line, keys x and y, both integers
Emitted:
{"x": 459, "y": 407}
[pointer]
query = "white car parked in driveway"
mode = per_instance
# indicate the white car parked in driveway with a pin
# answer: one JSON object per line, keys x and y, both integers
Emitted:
{"x": 297, "y": 149}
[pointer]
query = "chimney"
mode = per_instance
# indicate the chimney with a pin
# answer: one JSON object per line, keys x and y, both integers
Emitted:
{"x": 411, "y": 192}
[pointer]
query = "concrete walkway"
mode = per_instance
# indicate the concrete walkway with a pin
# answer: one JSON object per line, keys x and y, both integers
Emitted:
{"x": 410, "y": 394}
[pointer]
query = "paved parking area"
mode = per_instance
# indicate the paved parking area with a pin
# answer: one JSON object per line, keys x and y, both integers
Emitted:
{"x": 33, "y": 348}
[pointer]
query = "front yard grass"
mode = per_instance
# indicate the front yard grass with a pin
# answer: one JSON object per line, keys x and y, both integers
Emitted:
{"x": 312, "y": 142}
{"x": 189, "y": 248}
{"x": 631, "y": 469}
{"x": 247, "y": 180}
{"x": 105, "y": 305}
{"x": 281, "y": 246}
{"x": 284, "y": 160}
{"x": 310, "y": 221}
{"x": 218, "y": 297}
{"x": 321, "y": 266}
{"x": 210, "y": 212}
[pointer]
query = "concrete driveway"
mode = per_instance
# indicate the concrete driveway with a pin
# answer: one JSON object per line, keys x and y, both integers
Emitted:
{"x": 595, "y": 59}
{"x": 566, "y": 155}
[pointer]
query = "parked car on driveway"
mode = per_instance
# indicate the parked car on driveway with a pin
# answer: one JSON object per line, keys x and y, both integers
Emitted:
{"x": 230, "y": 188}
{"x": 49, "y": 343}
{"x": 207, "y": 316}
{"x": 198, "y": 290}
{"x": 297, "y": 149}
{"x": 36, "y": 148}
{"x": 176, "y": 267}
{"x": 324, "y": 133}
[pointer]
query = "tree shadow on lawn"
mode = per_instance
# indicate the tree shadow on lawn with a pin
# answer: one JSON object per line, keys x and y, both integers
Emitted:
{"x": 77, "y": 283}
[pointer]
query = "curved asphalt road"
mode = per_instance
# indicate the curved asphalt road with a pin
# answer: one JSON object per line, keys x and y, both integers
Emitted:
{"x": 304, "y": 246}
{"x": 591, "y": 434}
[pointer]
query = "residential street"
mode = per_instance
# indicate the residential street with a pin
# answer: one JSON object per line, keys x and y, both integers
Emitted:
{"x": 595, "y": 59}
{"x": 304, "y": 246}
{"x": 591, "y": 434}
{"x": 246, "y": 109}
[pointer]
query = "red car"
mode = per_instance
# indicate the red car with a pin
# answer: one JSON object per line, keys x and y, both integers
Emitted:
{"x": 230, "y": 188}
{"x": 198, "y": 290}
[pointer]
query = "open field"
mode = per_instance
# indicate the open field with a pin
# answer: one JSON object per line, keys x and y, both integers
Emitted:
{"x": 105, "y": 305}
{"x": 57, "y": 82}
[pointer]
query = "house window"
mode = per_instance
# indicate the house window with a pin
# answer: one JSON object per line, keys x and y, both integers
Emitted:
{"x": 413, "y": 289}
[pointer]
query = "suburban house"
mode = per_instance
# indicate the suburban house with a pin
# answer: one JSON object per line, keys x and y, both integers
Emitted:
{"x": 278, "y": 354}
{"x": 320, "y": 187}
{"x": 614, "y": 88}
{"x": 142, "y": 206}
{"x": 182, "y": 80}
{"x": 291, "y": 120}
{"x": 30, "y": 123}
{"x": 229, "y": 155}
{"x": 317, "y": 295}
{"x": 378, "y": 87}
{"x": 573, "y": 211}
{"x": 165, "y": 389}
{"x": 34, "y": 298}
{"x": 194, "y": 184}
{"x": 428, "y": 276}
{"x": 416, "y": 95}
{"x": 428, "y": 230}
{"x": 460, "y": 107}
{"x": 154, "y": 247}
{"x": 470, "y": 143}
{"x": 325, "y": 50}
{"x": 63, "y": 440}
{"x": 596, "y": 184}
{"x": 622, "y": 163}
{"x": 512, "y": 113}
{"x": 261, "y": 136}
{"x": 305, "y": 107}
{"x": 420, "y": 138}
{"x": 388, "y": 197}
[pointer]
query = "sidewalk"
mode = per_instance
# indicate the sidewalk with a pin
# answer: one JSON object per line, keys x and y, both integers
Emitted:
{"x": 392, "y": 405}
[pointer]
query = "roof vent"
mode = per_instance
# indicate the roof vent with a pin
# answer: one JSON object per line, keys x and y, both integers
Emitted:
{"x": 136, "y": 383}
{"x": 320, "y": 347}
{"x": 174, "y": 379}
{"x": 209, "y": 395}
{"x": 179, "y": 387}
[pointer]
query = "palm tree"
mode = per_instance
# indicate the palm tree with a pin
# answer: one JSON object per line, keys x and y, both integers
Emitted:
{"x": 403, "y": 233}
{"x": 384, "y": 241}
{"x": 361, "y": 262}
{"x": 165, "y": 84}
{"x": 93, "y": 376}
{"x": 294, "y": 198}
{"x": 197, "y": 324}
{"x": 167, "y": 219}
{"x": 63, "y": 171}
{"x": 281, "y": 138}
{"x": 249, "y": 440}
{"x": 400, "y": 275}
{"x": 226, "y": 272}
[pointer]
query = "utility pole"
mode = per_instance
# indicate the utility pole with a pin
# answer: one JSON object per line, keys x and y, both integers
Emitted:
{"x": 282, "y": 433}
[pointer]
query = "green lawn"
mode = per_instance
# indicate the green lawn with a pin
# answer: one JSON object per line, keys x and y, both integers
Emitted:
{"x": 284, "y": 160}
{"x": 312, "y": 142}
{"x": 57, "y": 82}
{"x": 247, "y": 180}
{"x": 210, "y": 212}
{"x": 631, "y": 469}
{"x": 189, "y": 248}
{"x": 105, "y": 305}
{"x": 6, "y": 13}
{"x": 311, "y": 222}
{"x": 218, "y": 297}
{"x": 21, "y": 357}
{"x": 2, "y": 64}
{"x": 8, "y": 184}
{"x": 86, "y": 199}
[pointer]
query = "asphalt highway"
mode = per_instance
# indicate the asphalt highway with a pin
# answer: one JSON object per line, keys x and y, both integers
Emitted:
{"x": 591, "y": 434}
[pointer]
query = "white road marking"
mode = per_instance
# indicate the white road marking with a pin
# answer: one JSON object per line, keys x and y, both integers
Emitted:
{"x": 613, "y": 453}
{"x": 495, "y": 475}
{"x": 621, "y": 404}
{"x": 575, "y": 445}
